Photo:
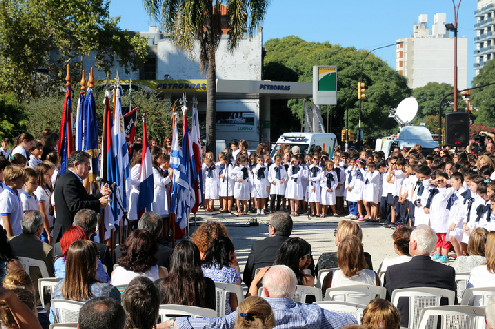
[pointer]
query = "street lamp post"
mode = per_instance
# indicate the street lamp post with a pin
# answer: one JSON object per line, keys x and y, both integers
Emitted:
{"x": 453, "y": 27}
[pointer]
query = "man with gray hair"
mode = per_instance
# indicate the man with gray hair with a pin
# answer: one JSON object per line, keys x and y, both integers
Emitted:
{"x": 87, "y": 219}
{"x": 279, "y": 285}
{"x": 263, "y": 252}
{"x": 29, "y": 244}
{"x": 420, "y": 271}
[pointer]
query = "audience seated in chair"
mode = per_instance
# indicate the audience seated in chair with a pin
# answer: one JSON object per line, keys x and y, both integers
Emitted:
{"x": 254, "y": 312}
{"x": 101, "y": 313}
{"x": 18, "y": 309}
{"x": 401, "y": 238}
{"x": 80, "y": 282}
{"x": 420, "y": 271}
{"x": 484, "y": 275}
{"x": 141, "y": 302}
{"x": 351, "y": 266}
{"x": 186, "y": 284}
{"x": 380, "y": 313}
{"x": 138, "y": 259}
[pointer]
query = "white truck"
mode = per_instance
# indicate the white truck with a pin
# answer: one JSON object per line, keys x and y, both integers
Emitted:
{"x": 306, "y": 142}
{"x": 408, "y": 137}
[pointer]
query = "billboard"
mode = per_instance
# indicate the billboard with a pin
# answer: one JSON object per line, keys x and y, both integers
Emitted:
{"x": 325, "y": 85}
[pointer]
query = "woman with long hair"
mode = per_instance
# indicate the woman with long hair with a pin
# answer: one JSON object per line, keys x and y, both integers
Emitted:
{"x": 296, "y": 254}
{"x": 24, "y": 143}
{"x": 43, "y": 194}
{"x": 186, "y": 284}
{"x": 352, "y": 269}
{"x": 484, "y": 275}
{"x": 80, "y": 282}
{"x": 216, "y": 266}
{"x": 137, "y": 258}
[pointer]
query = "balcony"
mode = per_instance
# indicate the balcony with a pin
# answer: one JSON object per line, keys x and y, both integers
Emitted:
{"x": 479, "y": 65}
{"x": 481, "y": 12}
{"x": 482, "y": 23}
{"x": 484, "y": 50}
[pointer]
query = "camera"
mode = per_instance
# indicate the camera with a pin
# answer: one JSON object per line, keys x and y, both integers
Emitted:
{"x": 479, "y": 145}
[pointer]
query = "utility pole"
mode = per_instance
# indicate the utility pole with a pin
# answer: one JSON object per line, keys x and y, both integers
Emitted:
{"x": 453, "y": 27}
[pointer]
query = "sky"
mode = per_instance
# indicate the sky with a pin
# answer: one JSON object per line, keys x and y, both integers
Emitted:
{"x": 362, "y": 24}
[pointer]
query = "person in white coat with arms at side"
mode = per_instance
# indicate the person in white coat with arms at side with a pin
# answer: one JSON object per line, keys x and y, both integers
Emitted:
{"x": 211, "y": 179}
{"x": 329, "y": 181}
{"x": 134, "y": 193}
{"x": 277, "y": 175}
{"x": 242, "y": 184}
{"x": 261, "y": 185}
{"x": 226, "y": 184}
{"x": 295, "y": 189}
{"x": 314, "y": 190}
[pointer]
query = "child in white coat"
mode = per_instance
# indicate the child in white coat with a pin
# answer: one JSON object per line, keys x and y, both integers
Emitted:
{"x": 161, "y": 181}
{"x": 277, "y": 176}
{"x": 242, "y": 184}
{"x": 210, "y": 177}
{"x": 371, "y": 180}
{"x": 314, "y": 190}
{"x": 226, "y": 184}
{"x": 328, "y": 181}
{"x": 261, "y": 185}
{"x": 295, "y": 189}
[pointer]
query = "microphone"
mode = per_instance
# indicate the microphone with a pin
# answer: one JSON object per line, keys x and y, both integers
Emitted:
{"x": 102, "y": 180}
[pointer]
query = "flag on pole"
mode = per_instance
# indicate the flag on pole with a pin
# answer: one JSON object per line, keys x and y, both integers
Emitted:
{"x": 122, "y": 166}
{"x": 108, "y": 165}
{"x": 146, "y": 185}
{"x": 90, "y": 134}
{"x": 130, "y": 120}
{"x": 80, "y": 122}
{"x": 308, "y": 119}
{"x": 196, "y": 148}
{"x": 66, "y": 143}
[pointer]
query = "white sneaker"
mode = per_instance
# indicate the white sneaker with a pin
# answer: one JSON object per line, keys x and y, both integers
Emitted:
{"x": 258, "y": 212}
{"x": 354, "y": 217}
{"x": 349, "y": 216}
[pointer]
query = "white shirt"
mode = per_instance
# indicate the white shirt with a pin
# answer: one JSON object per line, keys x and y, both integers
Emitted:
{"x": 480, "y": 277}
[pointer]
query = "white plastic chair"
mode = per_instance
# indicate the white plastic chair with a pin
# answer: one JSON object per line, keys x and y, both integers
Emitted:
{"x": 358, "y": 294}
{"x": 485, "y": 293}
{"x": 63, "y": 326}
{"x": 168, "y": 311}
{"x": 419, "y": 298}
{"x": 381, "y": 275}
{"x": 66, "y": 311}
{"x": 356, "y": 310}
{"x": 28, "y": 262}
{"x": 221, "y": 290}
{"x": 461, "y": 280}
{"x": 321, "y": 276}
{"x": 46, "y": 283}
{"x": 454, "y": 316}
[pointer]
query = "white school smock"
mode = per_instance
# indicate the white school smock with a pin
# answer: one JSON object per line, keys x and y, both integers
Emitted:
{"x": 294, "y": 185}
{"x": 241, "y": 189}
{"x": 328, "y": 198}
{"x": 439, "y": 215}
{"x": 278, "y": 188}
{"x": 134, "y": 193}
{"x": 226, "y": 183}
{"x": 371, "y": 180}
{"x": 457, "y": 214}
{"x": 260, "y": 182}
{"x": 160, "y": 201}
{"x": 211, "y": 180}
{"x": 314, "y": 190}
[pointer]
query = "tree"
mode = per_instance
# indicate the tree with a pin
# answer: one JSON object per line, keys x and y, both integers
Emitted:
{"x": 429, "y": 98}
{"x": 483, "y": 98}
{"x": 12, "y": 117}
{"x": 292, "y": 57}
{"x": 39, "y": 37}
{"x": 191, "y": 21}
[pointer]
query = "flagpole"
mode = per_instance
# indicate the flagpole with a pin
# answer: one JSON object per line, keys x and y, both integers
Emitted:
{"x": 91, "y": 85}
{"x": 171, "y": 220}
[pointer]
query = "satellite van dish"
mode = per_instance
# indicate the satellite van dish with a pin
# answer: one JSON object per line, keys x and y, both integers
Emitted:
{"x": 407, "y": 109}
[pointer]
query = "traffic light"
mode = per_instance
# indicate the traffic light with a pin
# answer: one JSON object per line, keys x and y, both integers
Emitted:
{"x": 361, "y": 90}
{"x": 344, "y": 135}
{"x": 351, "y": 136}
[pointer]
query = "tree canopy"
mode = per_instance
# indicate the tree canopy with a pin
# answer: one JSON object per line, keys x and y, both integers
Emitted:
{"x": 483, "y": 98}
{"x": 292, "y": 59}
{"x": 39, "y": 37}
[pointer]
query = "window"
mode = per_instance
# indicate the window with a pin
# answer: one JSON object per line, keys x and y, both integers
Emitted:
{"x": 149, "y": 69}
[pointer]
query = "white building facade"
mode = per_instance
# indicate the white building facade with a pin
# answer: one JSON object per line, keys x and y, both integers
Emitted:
{"x": 485, "y": 33}
{"x": 426, "y": 57}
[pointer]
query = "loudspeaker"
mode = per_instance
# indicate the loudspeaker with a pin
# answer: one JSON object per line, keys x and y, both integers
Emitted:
{"x": 457, "y": 129}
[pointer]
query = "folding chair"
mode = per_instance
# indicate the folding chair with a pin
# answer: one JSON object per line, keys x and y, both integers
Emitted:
{"x": 461, "y": 280}
{"x": 475, "y": 296}
{"x": 321, "y": 276}
{"x": 419, "y": 298}
{"x": 356, "y": 310}
{"x": 454, "y": 316}
{"x": 66, "y": 311}
{"x": 28, "y": 262}
{"x": 48, "y": 283}
{"x": 168, "y": 311}
{"x": 221, "y": 290}
{"x": 358, "y": 294}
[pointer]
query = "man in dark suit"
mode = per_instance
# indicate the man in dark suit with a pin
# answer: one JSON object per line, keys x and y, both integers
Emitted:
{"x": 263, "y": 252}
{"x": 420, "y": 271}
{"x": 87, "y": 219}
{"x": 71, "y": 196}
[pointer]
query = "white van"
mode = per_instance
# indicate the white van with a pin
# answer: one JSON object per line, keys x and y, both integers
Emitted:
{"x": 408, "y": 137}
{"x": 306, "y": 142}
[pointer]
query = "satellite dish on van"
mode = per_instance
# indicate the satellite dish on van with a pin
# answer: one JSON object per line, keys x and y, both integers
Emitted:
{"x": 407, "y": 109}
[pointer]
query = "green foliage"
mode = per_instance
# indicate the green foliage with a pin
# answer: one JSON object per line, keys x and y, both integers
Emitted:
{"x": 39, "y": 37}
{"x": 46, "y": 112}
{"x": 483, "y": 98}
{"x": 12, "y": 117}
{"x": 292, "y": 59}
{"x": 431, "y": 122}
{"x": 429, "y": 98}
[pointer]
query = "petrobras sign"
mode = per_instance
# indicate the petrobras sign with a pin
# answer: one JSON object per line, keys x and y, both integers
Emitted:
{"x": 171, "y": 86}
{"x": 264, "y": 86}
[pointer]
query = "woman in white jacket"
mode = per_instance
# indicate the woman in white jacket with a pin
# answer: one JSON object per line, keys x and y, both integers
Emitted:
{"x": 161, "y": 180}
